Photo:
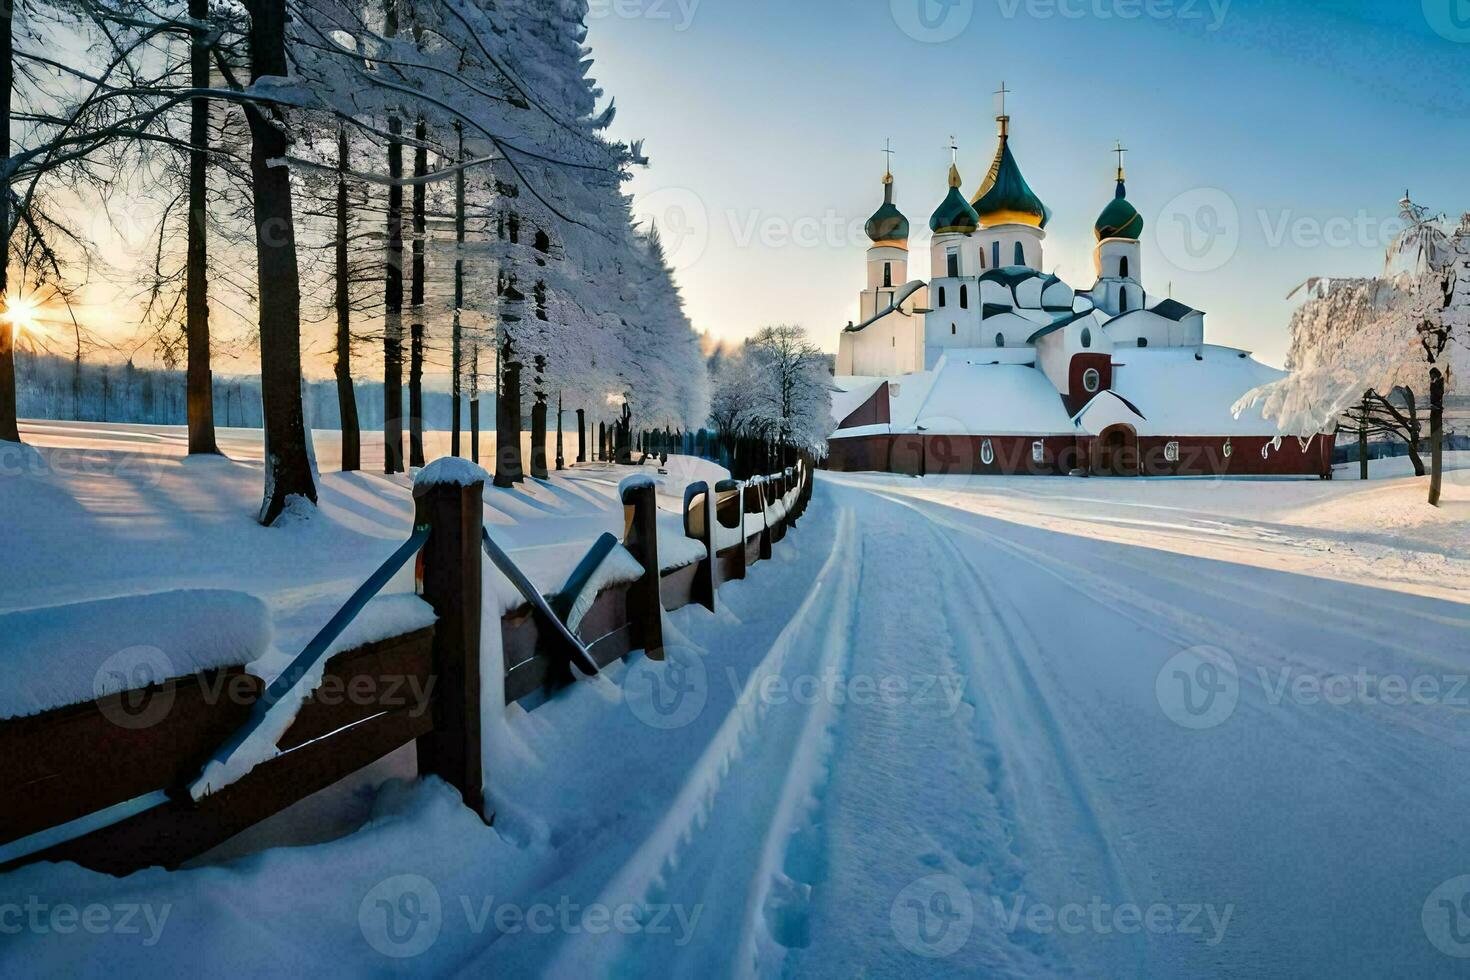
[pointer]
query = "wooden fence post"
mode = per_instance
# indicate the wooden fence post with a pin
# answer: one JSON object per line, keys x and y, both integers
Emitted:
{"x": 451, "y": 584}
{"x": 773, "y": 486}
{"x": 640, "y": 537}
{"x": 730, "y": 512}
{"x": 755, "y": 503}
{"x": 699, "y": 524}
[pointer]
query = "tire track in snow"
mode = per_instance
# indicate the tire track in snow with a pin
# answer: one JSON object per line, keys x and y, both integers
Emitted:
{"x": 1014, "y": 642}
{"x": 725, "y": 761}
{"x": 1374, "y": 759}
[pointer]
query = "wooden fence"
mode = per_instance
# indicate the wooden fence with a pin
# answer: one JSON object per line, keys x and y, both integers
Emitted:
{"x": 116, "y": 797}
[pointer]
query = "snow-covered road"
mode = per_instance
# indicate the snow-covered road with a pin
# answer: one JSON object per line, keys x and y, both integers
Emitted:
{"x": 1023, "y": 728}
{"x": 981, "y": 747}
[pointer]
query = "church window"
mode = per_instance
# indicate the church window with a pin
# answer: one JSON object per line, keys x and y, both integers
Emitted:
{"x": 1123, "y": 267}
{"x": 1122, "y": 301}
{"x": 952, "y": 263}
{"x": 995, "y": 254}
{"x": 1020, "y": 254}
{"x": 1142, "y": 341}
{"x": 1000, "y": 340}
{"x": 941, "y": 295}
{"x": 1086, "y": 337}
{"x": 987, "y": 453}
{"x": 1229, "y": 449}
{"x": 953, "y": 329}
{"x": 1038, "y": 452}
{"x": 887, "y": 275}
{"x": 964, "y": 297}
{"x": 1091, "y": 380}
{"x": 1171, "y": 452}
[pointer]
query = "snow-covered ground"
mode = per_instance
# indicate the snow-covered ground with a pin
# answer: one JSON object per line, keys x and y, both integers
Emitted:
{"x": 987, "y": 727}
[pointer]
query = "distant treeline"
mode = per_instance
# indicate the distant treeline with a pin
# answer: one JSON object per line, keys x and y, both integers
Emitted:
{"x": 51, "y": 387}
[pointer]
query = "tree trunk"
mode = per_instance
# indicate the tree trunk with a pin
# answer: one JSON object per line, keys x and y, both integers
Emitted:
{"x": 561, "y": 459}
{"x": 456, "y": 368}
{"x": 287, "y": 460}
{"x": 393, "y": 284}
{"x": 475, "y": 403}
{"x": 346, "y": 397}
{"x": 416, "y": 368}
{"x": 1414, "y": 432}
{"x": 1363, "y": 441}
{"x": 581, "y": 435}
{"x": 1436, "y": 434}
{"x": 538, "y": 439}
{"x": 9, "y": 425}
{"x": 508, "y": 460}
{"x": 200, "y": 383}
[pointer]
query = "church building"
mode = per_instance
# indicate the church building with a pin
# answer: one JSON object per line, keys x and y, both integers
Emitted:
{"x": 995, "y": 366}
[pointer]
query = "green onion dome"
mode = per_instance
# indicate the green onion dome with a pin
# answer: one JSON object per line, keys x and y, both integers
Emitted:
{"x": 1119, "y": 219}
{"x": 954, "y": 213}
{"x": 888, "y": 226}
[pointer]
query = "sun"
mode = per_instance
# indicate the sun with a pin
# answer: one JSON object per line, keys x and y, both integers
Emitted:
{"x": 23, "y": 314}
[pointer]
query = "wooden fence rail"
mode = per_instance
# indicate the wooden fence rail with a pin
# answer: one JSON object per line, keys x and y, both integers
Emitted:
{"x": 80, "y": 787}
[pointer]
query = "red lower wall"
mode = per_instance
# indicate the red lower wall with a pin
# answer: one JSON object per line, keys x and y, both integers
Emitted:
{"x": 919, "y": 454}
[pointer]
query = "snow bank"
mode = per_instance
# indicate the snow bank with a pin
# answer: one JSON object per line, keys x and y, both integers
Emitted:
{"x": 71, "y": 654}
{"x": 450, "y": 471}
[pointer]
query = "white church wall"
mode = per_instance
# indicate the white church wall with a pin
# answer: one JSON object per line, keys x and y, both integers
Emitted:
{"x": 897, "y": 262}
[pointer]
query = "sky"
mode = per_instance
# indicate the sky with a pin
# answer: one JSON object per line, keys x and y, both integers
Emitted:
{"x": 1270, "y": 140}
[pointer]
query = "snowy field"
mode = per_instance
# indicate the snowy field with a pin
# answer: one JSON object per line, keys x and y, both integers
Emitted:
{"x": 972, "y": 727}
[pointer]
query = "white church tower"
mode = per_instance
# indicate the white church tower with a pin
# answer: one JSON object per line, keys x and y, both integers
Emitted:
{"x": 1117, "y": 257}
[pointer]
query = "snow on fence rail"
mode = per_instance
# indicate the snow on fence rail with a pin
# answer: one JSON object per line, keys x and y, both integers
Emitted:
{"x": 164, "y": 773}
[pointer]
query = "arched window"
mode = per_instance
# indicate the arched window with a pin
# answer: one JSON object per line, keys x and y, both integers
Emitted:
{"x": 1020, "y": 254}
{"x": 953, "y": 330}
{"x": 1086, "y": 337}
{"x": 887, "y": 275}
{"x": 941, "y": 295}
{"x": 964, "y": 297}
{"x": 1142, "y": 341}
{"x": 995, "y": 254}
{"x": 1123, "y": 267}
{"x": 1000, "y": 340}
{"x": 1122, "y": 301}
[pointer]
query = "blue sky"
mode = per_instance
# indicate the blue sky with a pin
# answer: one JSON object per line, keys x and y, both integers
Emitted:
{"x": 1270, "y": 140}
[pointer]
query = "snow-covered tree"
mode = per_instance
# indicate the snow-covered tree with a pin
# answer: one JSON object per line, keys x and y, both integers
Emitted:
{"x": 1379, "y": 335}
{"x": 793, "y": 388}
